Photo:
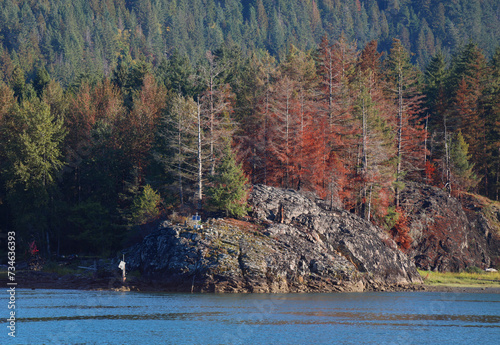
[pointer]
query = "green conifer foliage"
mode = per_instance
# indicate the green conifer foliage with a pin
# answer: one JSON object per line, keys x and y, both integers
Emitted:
{"x": 33, "y": 160}
{"x": 146, "y": 206}
{"x": 462, "y": 168}
{"x": 42, "y": 79}
{"x": 228, "y": 192}
{"x": 38, "y": 156}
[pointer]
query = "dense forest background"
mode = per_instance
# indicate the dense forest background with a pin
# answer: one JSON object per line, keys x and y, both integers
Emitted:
{"x": 87, "y": 37}
{"x": 114, "y": 113}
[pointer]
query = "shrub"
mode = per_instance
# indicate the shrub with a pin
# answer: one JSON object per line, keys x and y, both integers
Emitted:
{"x": 473, "y": 269}
{"x": 146, "y": 206}
{"x": 398, "y": 220}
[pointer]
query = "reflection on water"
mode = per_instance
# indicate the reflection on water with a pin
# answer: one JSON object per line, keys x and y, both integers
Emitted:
{"x": 90, "y": 317}
{"x": 166, "y": 316}
{"x": 403, "y": 317}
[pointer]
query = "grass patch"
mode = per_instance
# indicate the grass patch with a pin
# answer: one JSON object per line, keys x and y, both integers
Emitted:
{"x": 54, "y": 267}
{"x": 465, "y": 279}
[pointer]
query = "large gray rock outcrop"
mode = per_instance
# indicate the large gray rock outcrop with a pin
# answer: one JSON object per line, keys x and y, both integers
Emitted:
{"x": 451, "y": 234}
{"x": 294, "y": 244}
{"x": 368, "y": 247}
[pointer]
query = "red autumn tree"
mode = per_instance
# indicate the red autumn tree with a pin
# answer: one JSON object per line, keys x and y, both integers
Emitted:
{"x": 139, "y": 127}
{"x": 93, "y": 138}
{"x": 252, "y": 138}
{"x": 472, "y": 122}
{"x": 401, "y": 231}
{"x": 336, "y": 65}
{"x": 282, "y": 140}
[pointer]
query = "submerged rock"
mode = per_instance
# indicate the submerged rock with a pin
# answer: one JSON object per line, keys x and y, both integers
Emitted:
{"x": 293, "y": 244}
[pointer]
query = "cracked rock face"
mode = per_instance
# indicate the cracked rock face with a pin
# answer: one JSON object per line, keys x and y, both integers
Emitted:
{"x": 450, "y": 234}
{"x": 335, "y": 232}
{"x": 294, "y": 244}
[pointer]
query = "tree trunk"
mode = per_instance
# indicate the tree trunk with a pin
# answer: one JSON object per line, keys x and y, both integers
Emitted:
{"x": 400, "y": 134}
{"x": 212, "y": 119}
{"x": 179, "y": 166}
{"x": 287, "y": 125}
{"x": 447, "y": 158}
{"x": 200, "y": 166}
{"x": 365, "y": 156}
{"x": 425, "y": 146}
{"x": 370, "y": 203}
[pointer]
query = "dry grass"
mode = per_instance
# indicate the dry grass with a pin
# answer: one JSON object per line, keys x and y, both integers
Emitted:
{"x": 490, "y": 208}
{"x": 465, "y": 279}
{"x": 243, "y": 225}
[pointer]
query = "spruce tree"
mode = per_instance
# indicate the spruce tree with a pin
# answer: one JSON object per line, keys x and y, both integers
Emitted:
{"x": 145, "y": 206}
{"x": 465, "y": 178}
{"x": 228, "y": 192}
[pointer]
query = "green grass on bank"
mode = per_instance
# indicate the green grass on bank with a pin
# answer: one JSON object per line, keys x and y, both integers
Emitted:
{"x": 54, "y": 267}
{"x": 464, "y": 279}
{"x": 57, "y": 268}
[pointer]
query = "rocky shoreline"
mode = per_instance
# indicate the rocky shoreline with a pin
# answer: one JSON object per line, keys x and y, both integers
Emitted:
{"x": 292, "y": 243}
{"x": 43, "y": 280}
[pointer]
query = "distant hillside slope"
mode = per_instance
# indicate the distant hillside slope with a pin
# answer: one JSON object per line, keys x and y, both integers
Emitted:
{"x": 80, "y": 36}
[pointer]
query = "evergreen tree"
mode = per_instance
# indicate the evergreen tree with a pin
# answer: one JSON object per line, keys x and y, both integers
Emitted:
{"x": 374, "y": 171}
{"x": 7, "y": 103}
{"x": 466, "y": 87}
{"x": 145, "y": 206}
{"x": 33, "y": 159}
{"x": 435, "y": 80}
{"x": 491, "y": 110}
{"x": 465, "y": 178}
{"x": 37, "y": 156}
{"x": 229, "y": 192}
{"x": 336, "y": 66}
{"x": 41, "y": 80}
{"x": 253, "y": 115}
{"x": 177, "y": 151}
{"x": 440, "y": 121}
{"x": 177, "y": 74}
{"x": 88, "y": 226}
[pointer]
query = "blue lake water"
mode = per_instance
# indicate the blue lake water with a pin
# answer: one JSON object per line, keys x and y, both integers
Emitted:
{"x": 94, "y": 317}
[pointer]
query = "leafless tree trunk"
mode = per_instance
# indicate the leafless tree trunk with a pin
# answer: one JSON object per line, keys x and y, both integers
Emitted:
{"x": 200, "y": 161}
{"x": 447, "y": 154}
{"x": 399, "y": 133}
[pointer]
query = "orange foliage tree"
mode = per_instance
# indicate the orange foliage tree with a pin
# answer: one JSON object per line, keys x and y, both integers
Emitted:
{"x": 401, "y": 231}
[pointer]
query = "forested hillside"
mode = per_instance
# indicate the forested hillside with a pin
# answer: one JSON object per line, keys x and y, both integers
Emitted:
{"x": 114, "y": 113}
{"x": 80, "y": 36}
